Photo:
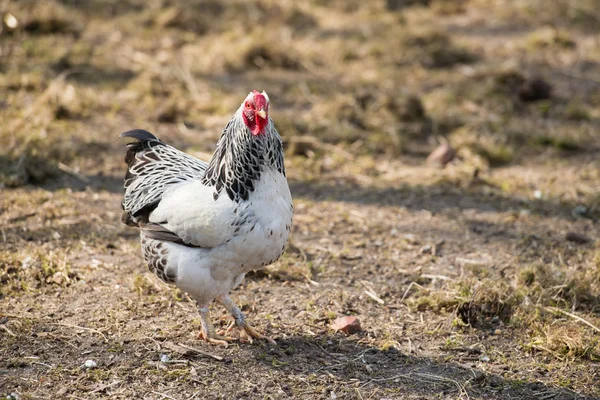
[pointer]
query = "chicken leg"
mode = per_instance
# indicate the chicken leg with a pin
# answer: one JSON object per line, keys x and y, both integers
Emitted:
{"x": 207, "y": 331}
{"x": 240, "y": 320}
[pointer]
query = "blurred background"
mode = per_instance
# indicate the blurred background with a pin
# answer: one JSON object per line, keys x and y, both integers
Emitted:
{"x": 442, "y": 154}
{"x": 506, "y": 82}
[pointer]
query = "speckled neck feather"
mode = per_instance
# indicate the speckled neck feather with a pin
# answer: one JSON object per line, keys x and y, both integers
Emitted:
{"x": 240, "y": 158}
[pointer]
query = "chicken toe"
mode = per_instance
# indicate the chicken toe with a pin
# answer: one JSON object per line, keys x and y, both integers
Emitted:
{"x": 207, "y": 331}
{"x": 240, "y": 321}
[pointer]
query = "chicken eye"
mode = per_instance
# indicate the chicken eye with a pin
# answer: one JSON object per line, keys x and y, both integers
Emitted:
{"x": 248, "y": 105}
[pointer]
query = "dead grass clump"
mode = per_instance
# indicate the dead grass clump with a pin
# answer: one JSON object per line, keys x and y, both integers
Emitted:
{"x": 527, "y": 89}
{"x": 449, "y": 7}
{"x": 300, "y": 21}
{"x": 25, "y": 169}
{"x": 33, "y": 157}
{"x": 50, "y": 18}
{"x": 406, "y": 109}
{"x": 494, "y": 150}
{"x": 559, "y": 143}
{"x": 550, "y": 38}
{"x": 144, "y": 286}
{"x": 173, "y": 110}
{"x": 565, "y": 339}
{"x": 437, "y": 50}
{"x": 394, "y": 5}
{"x": 487, "y": 304}
{"x": 188, "y": 20}
{"x": 437, "y": 301}
{"x": 261, "y": 56}
{"x": 9, "y": 273}
{"x": 443, "y": 7}
{"x": 535, "y": 89}
{"x": 552, "y": 285}
{"x": 579, "y": 14}
{"x": 577, "y": 111}
{"x": 507, "y": 81}
{"x": 19, "y": 272}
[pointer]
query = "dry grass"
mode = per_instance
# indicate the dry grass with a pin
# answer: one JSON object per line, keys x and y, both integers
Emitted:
{"x": 479, "y": 280}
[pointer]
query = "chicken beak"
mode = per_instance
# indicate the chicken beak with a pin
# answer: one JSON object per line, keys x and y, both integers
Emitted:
{"x": 262, "y": 113}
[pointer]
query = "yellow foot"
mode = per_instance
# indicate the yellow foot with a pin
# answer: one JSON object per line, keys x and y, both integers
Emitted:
{"x": 214, "y": 338}
{"x": 249, "y": 332}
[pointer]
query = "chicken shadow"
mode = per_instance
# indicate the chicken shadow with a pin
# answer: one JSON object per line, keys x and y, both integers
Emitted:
{"x": 434, "y": 199}
{"x": 340, "y": 363}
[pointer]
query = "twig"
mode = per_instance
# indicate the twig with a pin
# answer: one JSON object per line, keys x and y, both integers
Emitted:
{"x": 73, "y": 173}
{"x": 81, "y": 327}
{"x": 165, "y": 396}
{"x": 21, "y": 217}
{"x": 104, "y": 387}
{"x": 547, "y": 396}
{"x": 204, "y": 353}
{"x": 468, "y": 261}
{"x": 408, "y": 289}
{"x": 4, "y": 328}
{"x": 568, "y": 314}
{"x": 442, "y": 277}
{"x": 374, "y": 297}
{"x": 45, "y": 365}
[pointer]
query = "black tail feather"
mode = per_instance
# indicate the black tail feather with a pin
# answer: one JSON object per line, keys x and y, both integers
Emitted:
{"x": 139, "y": 134}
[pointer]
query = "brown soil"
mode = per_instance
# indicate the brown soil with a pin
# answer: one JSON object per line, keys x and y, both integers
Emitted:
{"x": 480, "y": 280}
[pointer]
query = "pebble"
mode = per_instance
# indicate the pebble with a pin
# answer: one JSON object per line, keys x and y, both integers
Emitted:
{"x": 577, "y": 238}
{"x": 348, "y": 324}
{"x": 579, "y": 211}
{"x": 442, "y": 155}
{"x": 89, "y": 364}
{"x": 484, "y": 359}
{"x": 538, "y": 194}
{"x": 425, "y": 249}
{"x": 164, "y": 358}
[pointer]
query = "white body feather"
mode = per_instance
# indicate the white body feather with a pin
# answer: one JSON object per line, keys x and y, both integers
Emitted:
{"x": 190, "y": 211}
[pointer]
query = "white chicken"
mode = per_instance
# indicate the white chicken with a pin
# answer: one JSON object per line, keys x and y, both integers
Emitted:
{"x": 204, "y": 226}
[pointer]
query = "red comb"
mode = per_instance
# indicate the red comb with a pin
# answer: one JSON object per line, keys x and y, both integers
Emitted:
{"x": 259, "y": 100}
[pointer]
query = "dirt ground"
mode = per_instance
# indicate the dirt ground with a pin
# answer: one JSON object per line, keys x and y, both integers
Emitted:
{"x": 479, "y": 280}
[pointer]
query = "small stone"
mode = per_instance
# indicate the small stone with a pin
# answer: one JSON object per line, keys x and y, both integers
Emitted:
{"x": 442, "y": 155}
{"x": 58, "y": 278}
{"x": 425, "y": 249}
{"x": 484, "y": 359}
{"x": 89, "y": 364}
{"x": 164, "y": 358}
{"x": 535, "y": 89}
{"x": 26, "y": 263}
{"x": 348, "y": 324}
{"x": 538, "y": 194}
{"x": 497, "y": 331}
{"x": 410, "y": 238}
{"x": 11, "y": 23}
{"x": 577, "y": 238}
{"x": 579, "y": 211}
